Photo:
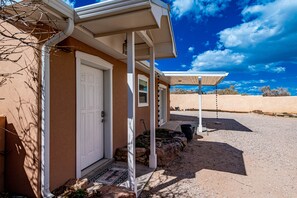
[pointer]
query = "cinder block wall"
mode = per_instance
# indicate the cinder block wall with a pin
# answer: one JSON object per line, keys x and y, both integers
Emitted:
{"x": 236, "y": 103}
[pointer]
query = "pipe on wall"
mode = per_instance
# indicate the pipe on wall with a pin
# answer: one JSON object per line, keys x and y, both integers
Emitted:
{"x": 45, "y": 105}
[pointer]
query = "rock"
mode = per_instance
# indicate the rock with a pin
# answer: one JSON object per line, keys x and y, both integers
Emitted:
{"x": 258, "y": 111}
{"x": 71, "y": 186}
{"x": 140, "y": 152}
{"x": 121, "y": 154}
{"x": 116, "y": 192}
{"x": 80, "y": 184}
{"x": 269, "y": 113}
{"x": 142, "y": 160}
{"x": 169, "y": 144}
{"x": 94, "y": 188}
{"x": 168, "y": 153}
{"x": 183, "y": 140}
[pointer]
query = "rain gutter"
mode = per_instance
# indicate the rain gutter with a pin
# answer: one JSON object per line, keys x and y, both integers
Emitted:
{"x": 45, "y": 105}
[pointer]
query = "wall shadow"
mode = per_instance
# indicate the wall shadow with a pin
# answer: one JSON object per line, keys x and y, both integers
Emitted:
{"x": 199, "y": 155}
{"x": 15, "y": 154}
{"x": 214, "y": 124}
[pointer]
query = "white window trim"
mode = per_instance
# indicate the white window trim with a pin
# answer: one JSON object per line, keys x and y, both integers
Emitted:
{"x": 144, "y": 78}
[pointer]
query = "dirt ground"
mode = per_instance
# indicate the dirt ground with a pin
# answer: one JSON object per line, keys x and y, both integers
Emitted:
{"x": 246, "y": 155}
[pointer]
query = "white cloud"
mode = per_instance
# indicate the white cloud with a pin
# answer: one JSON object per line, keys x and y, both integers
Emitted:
{"x": 278, "y": 69}
{"x": 191, "y": 49}
{"x": 198, "y": 8}
{"x": 216, "y": 59}
{"x": 183, "y": 65}
{"x": 267, "y": 36}
{"x": 156, "y": 64}
{"x": 264, "y": 33}
{"x": 181, "y": 7}
{"x": 70, "y": 2}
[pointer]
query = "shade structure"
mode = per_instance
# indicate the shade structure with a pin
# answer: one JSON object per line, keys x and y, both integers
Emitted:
{"x": 191, "y": 78}
{"x": 195, "y": 78}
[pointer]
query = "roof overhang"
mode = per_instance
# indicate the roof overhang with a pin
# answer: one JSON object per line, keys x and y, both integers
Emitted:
{"x": 191, "y": 78}
{"x": 104, "y": 25}
{"x": 120, "y": 16}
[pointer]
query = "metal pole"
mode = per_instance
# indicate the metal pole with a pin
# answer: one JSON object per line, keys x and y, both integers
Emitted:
{"x": 131, "y": 111}
{"x": 153, "y": 156}
{"x": 200, "y": 105}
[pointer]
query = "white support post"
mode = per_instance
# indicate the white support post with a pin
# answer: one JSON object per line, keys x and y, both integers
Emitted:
{"x": 200, "y": 104}
{"x": 153, "y": 156}
{"x": 131, "y": 111}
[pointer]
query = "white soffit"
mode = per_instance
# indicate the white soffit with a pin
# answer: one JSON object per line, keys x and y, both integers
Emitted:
{"x": 191, "y": 78}
{"x": 118, "y": 16}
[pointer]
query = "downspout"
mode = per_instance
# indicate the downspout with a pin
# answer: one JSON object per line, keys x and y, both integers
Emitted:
{"x": 45, "y": 106}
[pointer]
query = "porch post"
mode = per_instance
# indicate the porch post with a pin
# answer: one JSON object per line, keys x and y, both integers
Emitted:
{"x": 131, "y": 111}
{"x": 200, "y": 104}
{"x": 153, "y": 156}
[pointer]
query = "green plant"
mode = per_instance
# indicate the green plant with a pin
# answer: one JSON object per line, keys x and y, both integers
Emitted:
{"x": 280, "y": 91}
{"x": 80, "y": 193}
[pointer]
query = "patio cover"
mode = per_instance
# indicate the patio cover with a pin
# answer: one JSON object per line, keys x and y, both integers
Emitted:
{"x": 149, "y": 18}
{"x": 191, "y": 78}
{"x": 196, "y": 78}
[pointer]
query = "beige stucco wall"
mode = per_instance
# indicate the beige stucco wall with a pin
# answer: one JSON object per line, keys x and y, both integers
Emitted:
{"x": 236, "y": 103}
{"x": 21, "y": 106}
{"x": 63, "y": 109}
{"x": 2, "y": 151}
{"x": 19, "y": 103}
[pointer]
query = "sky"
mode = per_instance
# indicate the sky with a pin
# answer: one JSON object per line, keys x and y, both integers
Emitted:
{"x": 254, "y": 40}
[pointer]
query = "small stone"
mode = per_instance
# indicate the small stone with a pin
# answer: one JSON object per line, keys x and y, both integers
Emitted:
{"x": 140, "y": 152}
{"x": 94, "y": 188}
{"x": 81, "y": 184}
{"x": 116, "y": 192}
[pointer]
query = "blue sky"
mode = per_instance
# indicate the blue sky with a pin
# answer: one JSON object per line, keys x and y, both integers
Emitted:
{"x": 254, "y": 40}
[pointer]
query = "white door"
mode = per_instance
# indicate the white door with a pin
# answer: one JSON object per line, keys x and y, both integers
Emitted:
{"x": 91, "y": 106}
{"x": 163, "y": 105}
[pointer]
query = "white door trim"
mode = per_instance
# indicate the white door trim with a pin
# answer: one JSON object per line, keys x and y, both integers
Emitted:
{"x": 96, "y": 62}
{"x": 161, "y": 108}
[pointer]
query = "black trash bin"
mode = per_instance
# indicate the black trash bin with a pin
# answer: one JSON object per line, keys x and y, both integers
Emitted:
{"x": 187, "y": 130}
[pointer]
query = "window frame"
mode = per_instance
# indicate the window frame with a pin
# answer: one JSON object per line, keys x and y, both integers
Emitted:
{"x": 143, "y": 78}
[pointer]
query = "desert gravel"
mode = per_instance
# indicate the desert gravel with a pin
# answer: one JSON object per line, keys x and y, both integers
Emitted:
{"x": 246, "y": 155}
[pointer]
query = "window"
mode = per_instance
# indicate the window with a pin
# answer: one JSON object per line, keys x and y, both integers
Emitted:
{"x": 142, "y": 91}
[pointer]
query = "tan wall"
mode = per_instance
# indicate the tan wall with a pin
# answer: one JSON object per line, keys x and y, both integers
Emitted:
{"x": 63, "y": 109}
{"x": 19, "y": 103}
{"x": 236, "y": 103}
{"x": 21, "y": 106}
{"x": 2, "y": 151}
{"x": 144, "y": 112}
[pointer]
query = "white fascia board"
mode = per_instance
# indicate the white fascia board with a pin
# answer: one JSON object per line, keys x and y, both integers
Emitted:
{"x": 178, "y": 73}
{"x": 109, "y": 8}
{"x": 161, "y": 3}
{"x": 172, "y": 36}
{"x": 61, "y": 7}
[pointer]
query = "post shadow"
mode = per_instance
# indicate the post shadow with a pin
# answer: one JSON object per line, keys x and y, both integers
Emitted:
{"x": 202, "y": 155}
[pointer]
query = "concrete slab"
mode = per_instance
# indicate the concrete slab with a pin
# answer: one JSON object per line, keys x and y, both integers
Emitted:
{"x": 143, "y": 175}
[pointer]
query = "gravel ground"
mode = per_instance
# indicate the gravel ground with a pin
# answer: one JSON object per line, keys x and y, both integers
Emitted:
{"x": 247, "y": 155}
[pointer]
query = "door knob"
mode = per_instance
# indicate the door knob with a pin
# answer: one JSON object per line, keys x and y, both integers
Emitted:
{"x": 102, "y": 114}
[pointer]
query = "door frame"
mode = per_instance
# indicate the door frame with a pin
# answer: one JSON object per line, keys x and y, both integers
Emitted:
{"x": 163, "y": 88}
{"x": 106, "y": 67}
